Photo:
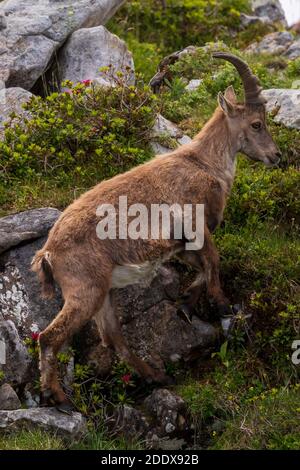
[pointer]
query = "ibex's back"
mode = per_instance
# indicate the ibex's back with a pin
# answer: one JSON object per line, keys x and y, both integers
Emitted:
{"x": 86, "y": 267}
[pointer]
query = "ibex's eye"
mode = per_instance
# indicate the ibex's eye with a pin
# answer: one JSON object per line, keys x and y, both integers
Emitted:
{"x": 257, "y": 125}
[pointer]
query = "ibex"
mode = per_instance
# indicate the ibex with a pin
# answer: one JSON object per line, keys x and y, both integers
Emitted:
{"x": 87, "y": 268}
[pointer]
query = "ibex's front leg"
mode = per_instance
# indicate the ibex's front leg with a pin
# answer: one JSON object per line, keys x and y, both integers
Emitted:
{"x": 206, "y": 262}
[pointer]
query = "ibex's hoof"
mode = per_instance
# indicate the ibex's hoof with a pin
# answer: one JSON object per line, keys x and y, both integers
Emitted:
{"x": 185, "y": 312}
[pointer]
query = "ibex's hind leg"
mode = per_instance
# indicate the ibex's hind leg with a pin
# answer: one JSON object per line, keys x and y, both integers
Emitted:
{"x": 110, "y": 331}
{"x": 206, "y": 262}
{"x": 190, "y": 297}
{"x": 79, "y": 307}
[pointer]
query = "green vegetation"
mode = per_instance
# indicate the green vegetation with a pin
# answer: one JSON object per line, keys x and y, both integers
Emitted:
{"x": 234, "y": 410}
{"x": 248, "y": 395}
{"x": 42, "y": 440}
{"x": 72, "y": 140}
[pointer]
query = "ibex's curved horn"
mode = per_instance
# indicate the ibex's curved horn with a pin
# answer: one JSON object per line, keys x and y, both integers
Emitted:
{"x": 251, "y": 83}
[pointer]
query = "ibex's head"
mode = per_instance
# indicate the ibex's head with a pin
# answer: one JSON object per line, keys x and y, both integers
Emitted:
{"x": 248, "y": 120}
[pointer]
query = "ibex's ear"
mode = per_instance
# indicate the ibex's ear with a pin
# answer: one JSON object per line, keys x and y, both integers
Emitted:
{"x": 230, "y": 94}
{"x": 226, "y": 105}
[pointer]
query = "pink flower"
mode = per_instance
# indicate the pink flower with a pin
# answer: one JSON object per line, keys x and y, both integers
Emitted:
{"x": 86, "y": 82}
{"x": 126, "y": 378}
{"x": 35, "y": 336}
{"x": 69, "y": 92}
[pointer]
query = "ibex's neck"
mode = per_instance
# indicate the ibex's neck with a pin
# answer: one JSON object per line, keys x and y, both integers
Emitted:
{"x": 216, "y": 148}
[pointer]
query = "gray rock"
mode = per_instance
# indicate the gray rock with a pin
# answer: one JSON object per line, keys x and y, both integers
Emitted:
{"x": 273, "y": 43}
{"x": 286, "y": 102}
{"x": 164, "y": 126}
{"x": 8, "y": 398}
{"x": 193, "y": 84}
{"x": 49, "y": 419}
{"x": 35, "y": 29}
{"x": 168, "y": 410}
{"x": 17, "y": 363}
{"x": 129, "y": 422}
{"x": 20, "y": 299}
{"x": 293, "y": 51}
{"x": 24, "y": 226}
{"x": 247, "y": 20}
{"x": 91, "y": 48}
{"x": 11, "y": 100}
{"x": 269, "y": 8}
{"x": 159, "y": 149}
{"x": 165, "y": 129}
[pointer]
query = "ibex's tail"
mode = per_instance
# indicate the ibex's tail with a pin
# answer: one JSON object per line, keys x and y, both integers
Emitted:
{"x": 41, "y": 264}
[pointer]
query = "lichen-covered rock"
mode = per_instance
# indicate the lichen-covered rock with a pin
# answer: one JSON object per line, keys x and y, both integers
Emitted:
{"x": 32, "y": 30}
{"x": 168, "y": 410}
{"x": 20, "y": 299}
{"x": 27, "y": 225}
{"x": 89, "y": 49}
{"x": 11, "y": 100}
{"x": 8, "y": 398}
{"x": 286, "y": 104}
{"x": 49, "y": 419}
{"x": 17, "y": 362}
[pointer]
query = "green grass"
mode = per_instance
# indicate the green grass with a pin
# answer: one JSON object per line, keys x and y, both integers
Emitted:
{"x": 42, "y": 440}
{"x": 234, "y": 409}
{"x": 31, "y": 440}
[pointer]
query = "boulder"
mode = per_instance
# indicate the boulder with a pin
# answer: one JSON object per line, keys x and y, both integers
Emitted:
{"x": 89, "y": 49}
{"x": 169, "y": 412}
{"x": 8, "y": 398}
{"x": 293, "y": 51}
{"x": 129, "y": 422}
{"x": 48, "y": 419}
{"x": 166, "y": 136}
{"x": 32, "y": 30}
{"x": 286, "y": 104}
{"x": 11, "y": 100}
{"x": 20, "y": 299}
{"x": 273, "y": 43}
{"x": 271, "y": 9}
{"x": 27, "y": 225}
{"x": 151, "y": 324}
{"x": 17, "y": 363}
